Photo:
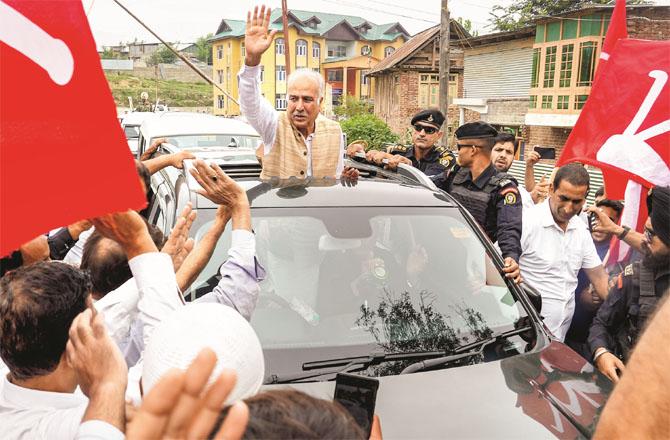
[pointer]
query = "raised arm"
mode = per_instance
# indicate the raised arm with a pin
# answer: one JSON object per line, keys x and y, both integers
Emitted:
{"x": 258, "y": 111}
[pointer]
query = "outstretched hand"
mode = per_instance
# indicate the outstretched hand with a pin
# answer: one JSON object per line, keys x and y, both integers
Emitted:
{"x": 128, "y": 229}
{"x": 218, "y": 187}
{"x": 179, "y": 245}
{"x": 257, "y": 39}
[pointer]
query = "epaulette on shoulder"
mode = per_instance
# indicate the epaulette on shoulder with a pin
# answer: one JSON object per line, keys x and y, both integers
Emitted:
{"x": 397, "y": 149}
{"x": 504, "y": 179}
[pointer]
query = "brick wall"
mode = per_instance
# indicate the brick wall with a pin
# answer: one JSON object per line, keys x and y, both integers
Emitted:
{"x": 657, "y": 27}
{"x": 546, "y": 137}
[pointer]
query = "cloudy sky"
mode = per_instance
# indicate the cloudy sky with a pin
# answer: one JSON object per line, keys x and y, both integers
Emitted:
{"x": 184, "y": 21}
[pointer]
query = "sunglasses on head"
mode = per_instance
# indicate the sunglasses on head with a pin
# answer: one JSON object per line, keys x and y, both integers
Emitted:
{"x": 428, "y": 129}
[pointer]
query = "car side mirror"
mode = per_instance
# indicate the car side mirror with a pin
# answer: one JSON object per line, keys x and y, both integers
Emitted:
{"x": 533, "y": 295}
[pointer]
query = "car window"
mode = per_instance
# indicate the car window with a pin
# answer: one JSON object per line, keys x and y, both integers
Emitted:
{"x": 132, "y": 131}
{"x": 344, "y": 281}
{"x": 202, "y": 141}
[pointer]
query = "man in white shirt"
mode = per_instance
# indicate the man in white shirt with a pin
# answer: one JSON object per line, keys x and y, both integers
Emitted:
{"x": 298, "y": 142}
{"x": 556, "y": 244}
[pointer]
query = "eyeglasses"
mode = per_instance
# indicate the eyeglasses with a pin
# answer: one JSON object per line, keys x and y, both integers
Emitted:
{"x": 427, "y": 129}
{"x": 459, "y": 146}
{"x": 649, "y": 234}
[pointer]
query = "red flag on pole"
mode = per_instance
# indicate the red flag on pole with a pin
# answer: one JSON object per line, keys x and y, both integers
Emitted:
{"x": 63, "y": 154}
{"x": 617, "y": 29}
{"x": 624, "y": 128}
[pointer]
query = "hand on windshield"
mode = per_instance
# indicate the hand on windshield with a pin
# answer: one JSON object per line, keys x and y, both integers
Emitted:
{"x": 397, "y": 160}
{"x": 177, "y": 159}
{"x": 512, "y": 270}
{"x": 218, "y": 187}
{"x": 375, "y": 156}
{"x": 152, "y": 148}
{"x": 257, "y": 39}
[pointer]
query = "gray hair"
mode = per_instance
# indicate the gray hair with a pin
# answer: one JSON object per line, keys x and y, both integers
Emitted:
{"x": 310, "y": 75}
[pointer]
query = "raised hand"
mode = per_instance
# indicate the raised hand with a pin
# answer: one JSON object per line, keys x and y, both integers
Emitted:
{"x": 257, "y": 39}
{"x": 128, "y": 229}
{"x": 179, "y": 245}
{"x": 152, "y": 149}
{"x": 218, "y": 187}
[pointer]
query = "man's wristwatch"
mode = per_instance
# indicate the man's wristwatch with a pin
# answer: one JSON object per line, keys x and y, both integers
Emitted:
{"x": 623, "y": 234}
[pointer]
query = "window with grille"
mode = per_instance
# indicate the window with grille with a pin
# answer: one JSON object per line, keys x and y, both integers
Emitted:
{"x": 280, "y": 101}
{"x": 533, "y": 101}
{"x": 587, "y": 61}
{"x": 219, "y": 101}
{"x": 219, "y": 52}
{"x": 279, "y": 46}
{"x": 316, "y": 50}
{"x": 388, "y": 51}
{"x": 281, "y": 73}
{"x": 547, "y": 101}
{"x": 536, "y": 67}
{"x": 563, "y": 102}
{"x": 219, "y": 74}
{"x": 337, "y": 51}
{"x": 566, "y": 65}
{"x": 301, "y": 48}
{"x": 549, "y": 66}
{"x": 580, "y": 100}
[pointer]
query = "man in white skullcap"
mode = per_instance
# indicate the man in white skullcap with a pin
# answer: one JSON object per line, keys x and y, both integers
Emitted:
{"x": 178, "y": 339}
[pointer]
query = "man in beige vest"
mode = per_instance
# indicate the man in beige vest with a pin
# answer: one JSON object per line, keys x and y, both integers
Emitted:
{"x": 298, "y": 142}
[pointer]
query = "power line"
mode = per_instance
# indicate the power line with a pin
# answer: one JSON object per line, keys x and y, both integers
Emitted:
{"x": 358, "y": 6}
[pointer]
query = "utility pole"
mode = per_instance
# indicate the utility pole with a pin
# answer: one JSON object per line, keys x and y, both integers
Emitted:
{"x": 284, "y": 20}
{"x": 444, "y": 67}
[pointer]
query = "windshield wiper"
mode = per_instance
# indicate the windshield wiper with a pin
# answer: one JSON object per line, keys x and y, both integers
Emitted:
{"x": 357, "y": 363}
{"x": 465, "y": 351}
{"x": 354, "y": 363}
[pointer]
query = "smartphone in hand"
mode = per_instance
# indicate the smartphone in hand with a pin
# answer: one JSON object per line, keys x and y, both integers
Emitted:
{"x": 358, "y": 395}
{"x": 546, "y": 152}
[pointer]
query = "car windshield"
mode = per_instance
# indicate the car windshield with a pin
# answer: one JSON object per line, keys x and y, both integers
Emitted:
{"x": 207, "y": 141}
{"x": 350, "y": 281}
{"x": 132, "y": 131}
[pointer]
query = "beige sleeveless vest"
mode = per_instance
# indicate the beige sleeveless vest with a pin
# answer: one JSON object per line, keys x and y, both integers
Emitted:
{"x": 288, "y": 156}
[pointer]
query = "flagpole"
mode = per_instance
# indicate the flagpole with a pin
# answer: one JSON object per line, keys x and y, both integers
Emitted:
{"x": 181, "y": 57}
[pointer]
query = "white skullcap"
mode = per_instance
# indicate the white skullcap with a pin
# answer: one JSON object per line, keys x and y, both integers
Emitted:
{"x": 180, "y": 337}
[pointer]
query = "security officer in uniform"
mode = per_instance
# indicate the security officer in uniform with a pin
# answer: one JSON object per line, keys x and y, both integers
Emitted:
{"x": 490, "y": 196}
{"x": 635, "y": 294}
{"x": 423, "y": 154}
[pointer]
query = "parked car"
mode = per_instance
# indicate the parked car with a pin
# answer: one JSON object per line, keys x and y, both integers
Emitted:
{"x": 131, "y": 128}
{"x": 391, "y": 278}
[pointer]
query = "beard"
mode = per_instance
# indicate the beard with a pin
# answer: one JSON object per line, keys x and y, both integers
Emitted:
{"x": 656, "y": 262}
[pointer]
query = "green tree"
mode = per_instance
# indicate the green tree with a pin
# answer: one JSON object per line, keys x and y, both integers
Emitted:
{"x": 368, "y": 128}
{"x": 108, "y": 54}
{"x": 354, "y": 107}
{"x": 204, "y": 49}
{"x": 162, "y": 56}
{"x": 521, "y": 13}
{"x": 467, "y": 25}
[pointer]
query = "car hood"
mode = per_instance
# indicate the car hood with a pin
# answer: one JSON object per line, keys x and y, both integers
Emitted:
{"x": 552, "y": 392}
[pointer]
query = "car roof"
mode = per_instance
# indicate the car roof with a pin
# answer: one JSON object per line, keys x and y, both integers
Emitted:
{"x": 293, "y": 193}
{"x": 136, "y": 118}
{"x": 185, "y": 123}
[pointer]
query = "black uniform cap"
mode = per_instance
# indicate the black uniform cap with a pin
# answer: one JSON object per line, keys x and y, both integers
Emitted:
{"x": 430, "y": 116}
{"x": 658, "y": 203}
{"x": 476, "y": 130}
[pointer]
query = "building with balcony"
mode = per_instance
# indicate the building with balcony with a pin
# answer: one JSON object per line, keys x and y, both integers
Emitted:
{"x": 342, "y": 48}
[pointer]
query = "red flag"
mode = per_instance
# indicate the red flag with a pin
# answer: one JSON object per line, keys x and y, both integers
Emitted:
{"x": 624, "y": 128}
{"x": 617, "y": 29}
{"x": 63, "y": 154}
